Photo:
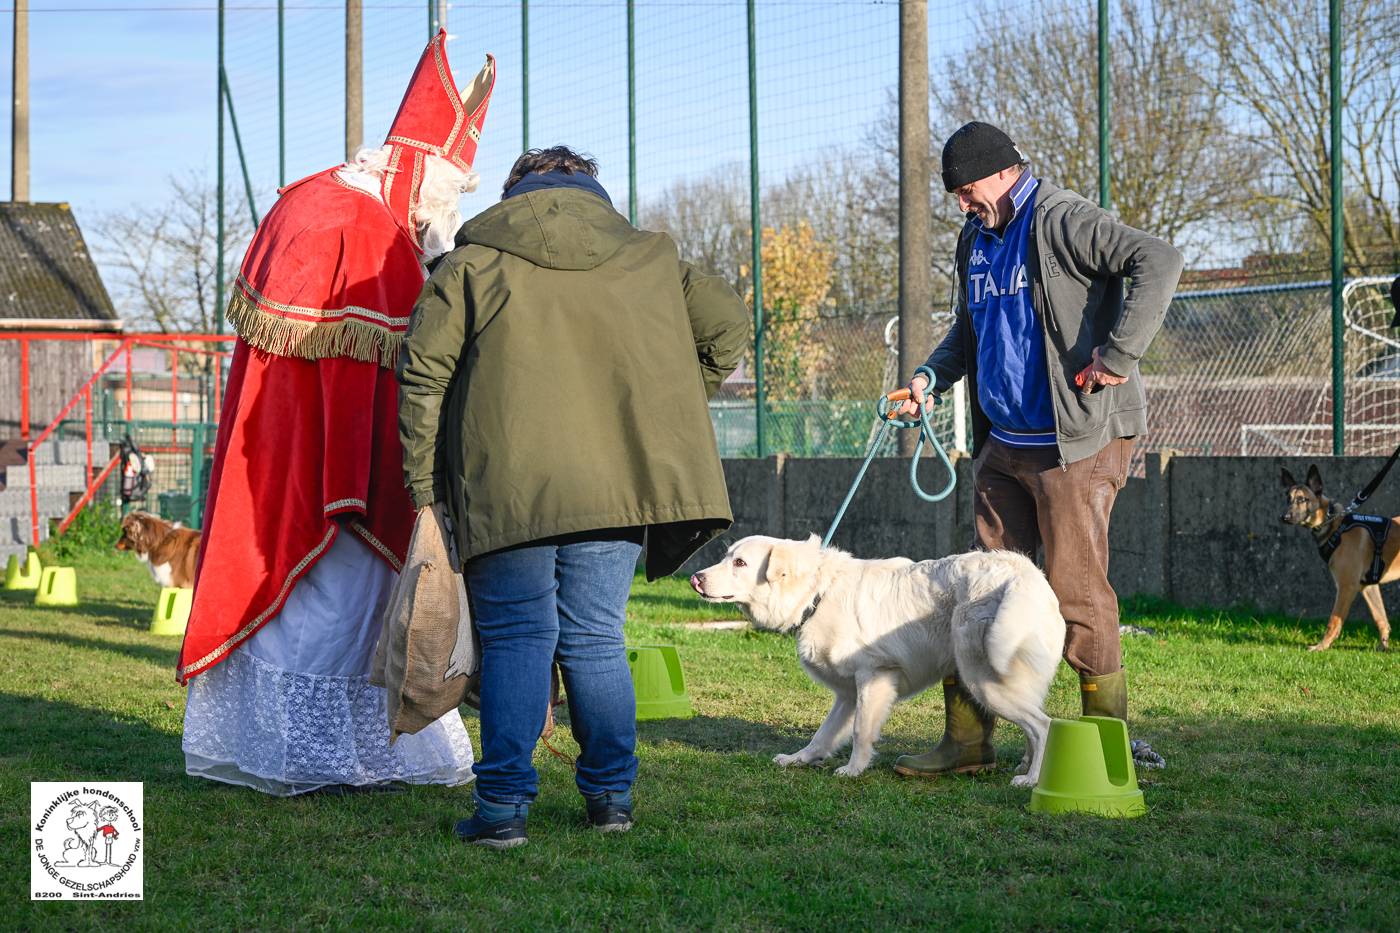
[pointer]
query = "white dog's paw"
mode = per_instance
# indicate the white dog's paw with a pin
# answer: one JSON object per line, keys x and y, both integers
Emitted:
{"x": 787, "y": 761}
{"x": 1024, "y": 780}
{"x": 850, "y": 769}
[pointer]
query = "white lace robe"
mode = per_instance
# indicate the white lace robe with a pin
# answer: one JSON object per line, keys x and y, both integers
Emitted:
{"x": 292, "y": 709}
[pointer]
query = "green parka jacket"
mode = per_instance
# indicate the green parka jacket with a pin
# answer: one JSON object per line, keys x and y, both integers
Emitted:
{"x": 554, "y": 380}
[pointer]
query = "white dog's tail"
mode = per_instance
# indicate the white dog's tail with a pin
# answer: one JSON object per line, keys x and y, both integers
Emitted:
{"x": 1028, "y": 625}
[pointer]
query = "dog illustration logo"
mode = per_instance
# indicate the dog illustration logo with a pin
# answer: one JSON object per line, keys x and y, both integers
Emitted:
{"x": 80, "y": 848}
{"x": 87, "y": 841}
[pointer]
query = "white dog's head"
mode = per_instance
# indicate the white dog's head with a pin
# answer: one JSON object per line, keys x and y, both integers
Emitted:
{"x": 771, "y": 579}
{"x": 82, "y": 818}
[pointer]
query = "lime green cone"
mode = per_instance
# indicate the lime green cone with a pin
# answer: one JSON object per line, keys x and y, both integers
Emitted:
{"x": 658, "y": 682}
{"x": 172, "y": 610}
{"x": 23, "y": 574}
{"x": 1088, "y": 768}
{"x": 58, "y": 586}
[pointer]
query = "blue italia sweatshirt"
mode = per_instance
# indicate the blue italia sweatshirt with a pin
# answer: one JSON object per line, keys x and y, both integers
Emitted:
{"x": 1013, "y": 385}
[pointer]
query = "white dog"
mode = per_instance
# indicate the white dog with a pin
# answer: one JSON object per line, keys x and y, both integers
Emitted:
{"x": 878, "y": 631}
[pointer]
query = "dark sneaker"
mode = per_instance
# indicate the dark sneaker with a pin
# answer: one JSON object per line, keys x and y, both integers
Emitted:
{"x": 608, "y": 815}
{"x": 502, "y": 834}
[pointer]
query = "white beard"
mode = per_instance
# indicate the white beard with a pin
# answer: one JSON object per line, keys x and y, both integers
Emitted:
{"x": 439, "y": 233}
{"x": 439, "y": 215}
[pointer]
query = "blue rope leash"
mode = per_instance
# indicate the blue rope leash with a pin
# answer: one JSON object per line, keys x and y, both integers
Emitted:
{"x": 882, "y": 408}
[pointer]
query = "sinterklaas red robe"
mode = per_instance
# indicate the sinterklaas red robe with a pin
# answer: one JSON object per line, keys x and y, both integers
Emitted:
{"x": 308, "y": 438}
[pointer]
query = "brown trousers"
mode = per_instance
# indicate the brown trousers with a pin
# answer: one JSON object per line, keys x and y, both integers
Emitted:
{"x": 1024, "y": 498}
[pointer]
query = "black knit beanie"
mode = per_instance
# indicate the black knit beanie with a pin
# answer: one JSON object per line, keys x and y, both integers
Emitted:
{"x": 975, "y": 151}
{"x": 1395, "y": 300}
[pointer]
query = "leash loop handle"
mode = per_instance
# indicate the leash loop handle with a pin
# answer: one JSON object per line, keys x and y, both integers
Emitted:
{"x": 926, "y": 435}
{"x": 883, "y": 408}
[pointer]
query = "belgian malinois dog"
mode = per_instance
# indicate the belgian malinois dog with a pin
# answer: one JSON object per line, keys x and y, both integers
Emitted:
{"x": 1350, "y": 552}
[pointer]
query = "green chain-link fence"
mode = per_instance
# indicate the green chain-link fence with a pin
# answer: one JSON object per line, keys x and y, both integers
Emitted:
{"x": 1218, "y": 139}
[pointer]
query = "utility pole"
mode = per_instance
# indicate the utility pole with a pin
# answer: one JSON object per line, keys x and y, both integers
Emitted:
{"x": 19, "y": 114}
{"x": 914, "y": 303}
{"x": 354, "y": 78}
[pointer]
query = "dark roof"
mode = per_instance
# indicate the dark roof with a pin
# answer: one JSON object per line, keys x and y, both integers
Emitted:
{"x": 46, "y": 271}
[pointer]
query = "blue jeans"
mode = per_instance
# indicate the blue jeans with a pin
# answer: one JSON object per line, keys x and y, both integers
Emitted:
{"x": 561, "y": 599}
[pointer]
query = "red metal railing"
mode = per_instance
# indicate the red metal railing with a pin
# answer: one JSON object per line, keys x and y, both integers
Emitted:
{"x": 173, "y": 343}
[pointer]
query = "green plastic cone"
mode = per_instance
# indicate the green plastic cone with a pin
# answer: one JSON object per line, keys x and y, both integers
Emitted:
{"x": 172, "y": 610}
{"x": 658, "y": 682}
{"x": 58, "y": 586}
{"x": 23, "y": 574}
{"x": 1088, "y": 768}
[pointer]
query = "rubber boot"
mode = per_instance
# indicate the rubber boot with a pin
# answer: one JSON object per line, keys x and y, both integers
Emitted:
{"x": 966, "y": 746}
{"x": 1104, "y": 695}
{"x": 1107, "y": 695}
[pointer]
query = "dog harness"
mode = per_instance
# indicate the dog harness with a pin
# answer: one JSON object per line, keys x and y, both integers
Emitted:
{"x": 1377, "y": 526}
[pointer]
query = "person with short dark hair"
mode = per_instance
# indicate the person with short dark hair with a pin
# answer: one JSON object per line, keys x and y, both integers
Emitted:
{"x": 554, "y": 385}
{"x": 543, "y": 161}
{"x": 1056, "y": 302}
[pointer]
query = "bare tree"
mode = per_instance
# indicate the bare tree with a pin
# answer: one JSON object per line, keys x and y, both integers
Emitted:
{"x": 845, "y": 203}
{"x": 708, "y": 217}
{"x": 842, "y": 199}
{"x": 1273, "y": 59}
{"x": 1176, "y": 167}
{"x": 160, "y": 260}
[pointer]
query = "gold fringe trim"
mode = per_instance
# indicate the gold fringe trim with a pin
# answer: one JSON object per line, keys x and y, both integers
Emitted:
{"x": 350, "y": 338}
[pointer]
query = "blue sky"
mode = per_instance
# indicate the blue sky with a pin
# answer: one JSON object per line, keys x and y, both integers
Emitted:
{"x": 123, "y": 91}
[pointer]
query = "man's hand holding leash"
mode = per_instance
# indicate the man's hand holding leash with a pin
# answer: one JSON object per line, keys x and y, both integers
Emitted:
{"x": 917, "y": 387}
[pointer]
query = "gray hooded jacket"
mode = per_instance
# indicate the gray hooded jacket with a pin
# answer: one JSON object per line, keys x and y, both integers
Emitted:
{"x": 1096, "y": 282}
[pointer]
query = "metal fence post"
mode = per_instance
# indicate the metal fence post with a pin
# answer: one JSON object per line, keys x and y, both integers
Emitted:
{"x": 242, "y": 158}
{"x": 524, "y": 75}
{"x": 1334, "y": 56}
{"x": 1105, "y": 81}
{"x": 219, "y": 182}
{"x": 197, "y": 475}
{"x": 631, "y": 112}
{"x": 281, "y": 95}
{"x": 755, "y": 220}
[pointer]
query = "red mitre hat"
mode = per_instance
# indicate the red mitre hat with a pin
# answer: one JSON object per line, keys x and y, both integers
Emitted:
{"x": 433, "y": 119}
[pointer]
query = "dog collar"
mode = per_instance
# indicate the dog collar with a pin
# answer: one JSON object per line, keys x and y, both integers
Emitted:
{"x": 807, "y": 613}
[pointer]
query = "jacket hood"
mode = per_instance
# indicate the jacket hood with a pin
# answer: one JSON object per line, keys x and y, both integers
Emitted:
{"x": 557, "y": 228}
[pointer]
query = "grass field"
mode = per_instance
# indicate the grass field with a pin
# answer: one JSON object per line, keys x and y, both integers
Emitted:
{"x": 1280, "y": 806}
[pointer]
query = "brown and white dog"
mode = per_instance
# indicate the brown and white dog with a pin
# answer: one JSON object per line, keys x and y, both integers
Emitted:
{"x": 171, "y": 552}
{"x": 1352, "y": 559}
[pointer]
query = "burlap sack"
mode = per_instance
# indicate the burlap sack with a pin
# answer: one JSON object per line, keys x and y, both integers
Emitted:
{"x": 427, "y": 659}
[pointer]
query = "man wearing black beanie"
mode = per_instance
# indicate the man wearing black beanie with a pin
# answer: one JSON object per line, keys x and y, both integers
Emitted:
{"x": 1056, "y": 302}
